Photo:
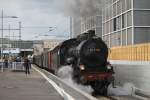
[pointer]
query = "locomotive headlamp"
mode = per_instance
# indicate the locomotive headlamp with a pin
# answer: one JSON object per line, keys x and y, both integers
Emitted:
{"x": 82, "y": 67}
{"x": 108, "y": 66}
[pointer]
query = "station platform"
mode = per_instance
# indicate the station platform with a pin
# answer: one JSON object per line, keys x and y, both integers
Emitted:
{"x": 16, "y": 85}
{"x": 39, "y": 85}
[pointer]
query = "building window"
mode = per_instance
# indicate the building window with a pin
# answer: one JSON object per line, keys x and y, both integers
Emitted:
{"x": 123, "y": 5}
{"x": 129, "y": 19}
{"x": 118, "y": 38}
{"x": 111, "y": 11}
{"x": 118, "y": 24}
{"x": 107, "y": 13}
{"x": 129, "y": 36}
{"x": 124, "y": 37}
{"x": 103, "y": 29}
{"x": 114, "y": 9}
{"x": 113, "y": 39}
{"x": 128, "y": 4}
{"x": 123, "y": 21}
{"x": 114, "y": 24}
{"x": 119, "y": 7}
{"x": 107, "y": 27}
{"x": 111, "y": 26}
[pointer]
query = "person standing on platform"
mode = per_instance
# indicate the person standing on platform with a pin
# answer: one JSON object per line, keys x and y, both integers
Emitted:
{"x": 30, "y": 60}
{"x": 6, "y": 62}
{"x": 27, "y": 66}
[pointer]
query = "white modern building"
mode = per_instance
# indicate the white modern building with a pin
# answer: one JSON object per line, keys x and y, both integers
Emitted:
{"x": 75, "y": 26}
{"x": 122, "y": 22}
{"x": 126, "y": 22}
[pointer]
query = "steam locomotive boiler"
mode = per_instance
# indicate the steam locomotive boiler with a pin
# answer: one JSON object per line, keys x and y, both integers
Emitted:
{"x": 87, "y": 54}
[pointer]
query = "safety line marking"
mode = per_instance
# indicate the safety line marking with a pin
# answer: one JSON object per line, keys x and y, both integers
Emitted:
{"x": 89, "y": 97}
{"x": 65, "y": 95}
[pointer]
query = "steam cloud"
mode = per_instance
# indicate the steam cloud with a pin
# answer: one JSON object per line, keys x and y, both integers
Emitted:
{"x": 80, "y": 8}
{"x": 126, "y": 89}
{"x": 65, "y": 73}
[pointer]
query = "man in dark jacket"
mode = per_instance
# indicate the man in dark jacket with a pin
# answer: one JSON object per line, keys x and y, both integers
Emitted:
{"x": 26, "y": 65}
{"x": 6, "y": 62}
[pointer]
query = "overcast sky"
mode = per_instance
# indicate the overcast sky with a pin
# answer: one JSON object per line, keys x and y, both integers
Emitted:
{"x": 36, "y": 16}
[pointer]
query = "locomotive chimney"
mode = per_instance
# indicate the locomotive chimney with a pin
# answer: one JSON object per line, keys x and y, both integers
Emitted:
{"x": 86, "y": 36}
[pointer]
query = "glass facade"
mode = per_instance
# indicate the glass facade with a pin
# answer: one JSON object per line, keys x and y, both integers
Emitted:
{"x": 117, "y": 23}
{"x": 126, "y": 22}
{"x": 123, "y": 22}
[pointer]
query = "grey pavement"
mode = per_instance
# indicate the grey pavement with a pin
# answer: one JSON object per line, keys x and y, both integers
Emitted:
{"x": 19, "y": 86}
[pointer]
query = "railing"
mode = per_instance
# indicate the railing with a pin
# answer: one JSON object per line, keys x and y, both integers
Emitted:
{"x": 18, "y": 66}
{"x": 12, "y": 66}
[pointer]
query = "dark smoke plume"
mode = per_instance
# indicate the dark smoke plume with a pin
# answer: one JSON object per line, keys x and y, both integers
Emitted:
{"x": 80, "y": 8}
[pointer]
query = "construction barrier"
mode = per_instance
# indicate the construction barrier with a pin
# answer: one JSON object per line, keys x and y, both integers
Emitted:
{"x": 140, "y": 52}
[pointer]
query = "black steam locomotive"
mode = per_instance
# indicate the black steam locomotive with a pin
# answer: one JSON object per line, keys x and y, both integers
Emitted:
{"x": 87, "y": 54}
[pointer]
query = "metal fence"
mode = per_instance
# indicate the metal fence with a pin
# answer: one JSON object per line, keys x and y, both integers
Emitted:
{"x": 12, "y": 66}
{"x": 18, "y": 66}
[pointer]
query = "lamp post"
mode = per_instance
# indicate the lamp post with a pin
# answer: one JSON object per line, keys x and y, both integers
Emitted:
{"x": 2, "y": 38}
{"x": 2, "y": 29}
